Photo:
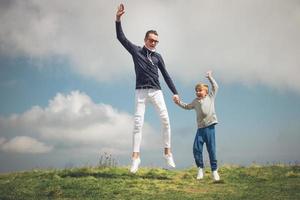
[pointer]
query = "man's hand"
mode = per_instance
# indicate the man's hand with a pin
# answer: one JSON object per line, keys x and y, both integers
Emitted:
{"x": 208, "y": 74}
{"x": 120, "y": 12}
{"x": 176, "y": 98}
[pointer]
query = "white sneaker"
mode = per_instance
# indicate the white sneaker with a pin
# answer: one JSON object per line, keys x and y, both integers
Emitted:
{"x": 170, "y": 161}
{"x": 215, "y": 175}
{"x": 135, "y": 165}
{"x": 200, "y": 174}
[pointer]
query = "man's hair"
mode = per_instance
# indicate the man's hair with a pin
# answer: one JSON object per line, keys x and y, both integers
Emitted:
{"x": 201, "y": 86}
{"x": 149, "y": 32}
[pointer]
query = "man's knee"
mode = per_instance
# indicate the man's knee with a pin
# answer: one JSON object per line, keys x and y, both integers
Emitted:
{"x": 138, "y": 122}
{"x": 165, "y": 118}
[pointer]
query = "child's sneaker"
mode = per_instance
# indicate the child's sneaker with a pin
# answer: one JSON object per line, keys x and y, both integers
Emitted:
{"x": 200, "y": 174}
{"x": 215, "y": 175}
{"x": 170, "y": 161}
{"x": 135, "y": 165}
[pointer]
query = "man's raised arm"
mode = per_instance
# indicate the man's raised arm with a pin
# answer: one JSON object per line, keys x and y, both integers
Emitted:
{"x": 120, "y": 12}
{"x": 120, "y": 34}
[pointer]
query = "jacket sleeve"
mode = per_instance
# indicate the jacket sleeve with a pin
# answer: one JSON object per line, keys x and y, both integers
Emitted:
{"x": 167, "y": 78}
{"x": 123, "y": 40}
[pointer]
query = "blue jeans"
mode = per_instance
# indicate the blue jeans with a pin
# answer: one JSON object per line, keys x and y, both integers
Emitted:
{"x": 205, "y": 135}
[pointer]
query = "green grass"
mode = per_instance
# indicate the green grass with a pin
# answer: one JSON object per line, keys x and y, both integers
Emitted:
{"x": 255, "y": 182}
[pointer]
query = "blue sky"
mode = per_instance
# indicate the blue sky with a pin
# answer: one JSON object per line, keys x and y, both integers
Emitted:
{"x": 67, "y": 85}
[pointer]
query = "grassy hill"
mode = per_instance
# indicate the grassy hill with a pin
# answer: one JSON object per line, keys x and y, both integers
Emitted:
{"x": 254, "y": 182}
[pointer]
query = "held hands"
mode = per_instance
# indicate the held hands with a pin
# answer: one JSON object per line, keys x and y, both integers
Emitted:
{"x": 120, "y": 12}
{"x": 176, "y": 98}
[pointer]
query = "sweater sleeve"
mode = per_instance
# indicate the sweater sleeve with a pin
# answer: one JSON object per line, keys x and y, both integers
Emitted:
{"x": 123, "y": 40}
{"x": 214, "y": 86}
{"x": 186, "y": 106}
{"x": 167, "y": 78}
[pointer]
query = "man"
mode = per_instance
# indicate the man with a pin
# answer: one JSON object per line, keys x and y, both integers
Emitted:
{"x": 147, "y": 62}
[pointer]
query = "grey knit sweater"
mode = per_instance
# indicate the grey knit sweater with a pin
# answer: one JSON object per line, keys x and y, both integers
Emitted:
{"x": 205, "y": 108}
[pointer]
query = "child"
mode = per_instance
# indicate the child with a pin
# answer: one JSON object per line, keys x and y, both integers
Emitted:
{"x": 206, "y": 119}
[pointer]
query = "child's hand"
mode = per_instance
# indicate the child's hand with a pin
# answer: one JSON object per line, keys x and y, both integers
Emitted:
{"x": 208, "y": 73}
{"x": 176, "y": 98}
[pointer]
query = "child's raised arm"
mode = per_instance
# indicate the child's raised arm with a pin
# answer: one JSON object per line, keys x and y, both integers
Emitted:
{"x": 213, "y": 83}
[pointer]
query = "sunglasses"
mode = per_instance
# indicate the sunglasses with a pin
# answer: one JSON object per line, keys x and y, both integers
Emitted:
{"x": 152, "y": 40}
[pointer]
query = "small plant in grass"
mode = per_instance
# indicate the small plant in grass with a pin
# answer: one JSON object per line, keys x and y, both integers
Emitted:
{"x": 292, "y": 174}
{"x": 106, "y": 160}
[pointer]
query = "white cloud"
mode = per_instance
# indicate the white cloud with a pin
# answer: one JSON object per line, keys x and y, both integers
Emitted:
{"x": 82, "y": 31}
{"x": 73, "y": 121}
{"x": 2, "y": 140}
{"x": 248, "y": 41}
{"x": 23, "y": 144}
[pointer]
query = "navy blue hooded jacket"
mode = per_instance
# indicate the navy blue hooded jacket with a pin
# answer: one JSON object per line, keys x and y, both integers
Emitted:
{"x": 146, "y": 64}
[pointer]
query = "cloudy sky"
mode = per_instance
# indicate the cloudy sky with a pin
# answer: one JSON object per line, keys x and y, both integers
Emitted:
{"x": 67, "y": 85}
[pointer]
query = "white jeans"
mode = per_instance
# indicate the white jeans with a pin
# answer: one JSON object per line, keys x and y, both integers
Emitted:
{"x": 154, "y": 96}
